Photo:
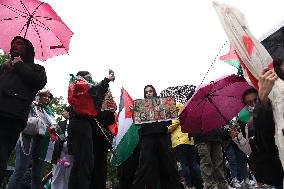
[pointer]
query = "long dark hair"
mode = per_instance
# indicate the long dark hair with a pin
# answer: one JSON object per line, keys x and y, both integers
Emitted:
{"x": 277, "y": 68}
{"x": 154, "y": 91}
{"x": 247, "y": 92}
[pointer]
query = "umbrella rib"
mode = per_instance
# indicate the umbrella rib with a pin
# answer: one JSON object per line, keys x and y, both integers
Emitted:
{"x": 210, "y": 100}
{"x": 10, "y": 18}
{"x": 23, "y": 28}
{"x": 15, "y": 10}
{"x": 222, "y": 87}
{"x": 42, "y": 25}
{"x": 46, "y": 27}
{"x": 25, "y": 8}
{"x": 37, "y": 8}
{"x": 47, "y": 18}
{"x": 37, "y": 32}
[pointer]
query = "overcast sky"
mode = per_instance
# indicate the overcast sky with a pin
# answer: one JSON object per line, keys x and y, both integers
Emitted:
{"x": 160, "y": 42}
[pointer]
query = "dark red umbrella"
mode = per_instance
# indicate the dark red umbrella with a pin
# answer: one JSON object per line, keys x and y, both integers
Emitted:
{"x": 213, "y": 105}
{"x": 37, "y": 22}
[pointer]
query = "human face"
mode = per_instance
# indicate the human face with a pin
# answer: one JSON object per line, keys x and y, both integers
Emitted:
{"x": 250, "y": 101}
{"x": 44, "y": 99}
{"x": 18, "y": 47}
{"x": 149, "y": 92}
{"x": 65, "y": 114}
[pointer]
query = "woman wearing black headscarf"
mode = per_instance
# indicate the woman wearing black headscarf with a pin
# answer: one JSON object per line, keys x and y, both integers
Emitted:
{"x": 156, "y": 161}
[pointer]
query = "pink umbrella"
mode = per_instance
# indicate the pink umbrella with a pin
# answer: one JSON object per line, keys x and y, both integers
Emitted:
{"x": 213, "y": 105}
{"x": 37, "y": 22}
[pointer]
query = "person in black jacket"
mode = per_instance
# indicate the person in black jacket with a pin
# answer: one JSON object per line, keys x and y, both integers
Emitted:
{"x": 20, "y": 79}
{"x": 266, "y": 164}
{"x": 87, "y": 141}
{"x": 156, "y": 161}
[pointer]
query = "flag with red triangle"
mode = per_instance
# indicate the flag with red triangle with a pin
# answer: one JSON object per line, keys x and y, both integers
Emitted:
{"x": 127, "y": 138}
{"x": 231, "y": 58}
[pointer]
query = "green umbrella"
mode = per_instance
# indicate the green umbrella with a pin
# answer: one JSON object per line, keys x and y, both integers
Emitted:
{"x": 244, "y": 115}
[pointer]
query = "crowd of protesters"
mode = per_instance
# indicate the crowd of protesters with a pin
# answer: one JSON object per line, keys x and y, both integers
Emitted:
{"x": 82, "y": 141}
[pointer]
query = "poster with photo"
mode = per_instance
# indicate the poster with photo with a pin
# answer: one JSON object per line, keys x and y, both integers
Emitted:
{"x": 152, "y": 110}
{"x": 108, "y": 103}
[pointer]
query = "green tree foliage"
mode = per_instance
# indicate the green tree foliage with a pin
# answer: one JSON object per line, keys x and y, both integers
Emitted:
{"x": 57, "y": 105}
{"x": 2, "y": 58}
{"x": 111, "y": 171}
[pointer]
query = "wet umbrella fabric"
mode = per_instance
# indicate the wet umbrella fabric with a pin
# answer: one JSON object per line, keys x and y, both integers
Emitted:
{"x": 213, "y": 105}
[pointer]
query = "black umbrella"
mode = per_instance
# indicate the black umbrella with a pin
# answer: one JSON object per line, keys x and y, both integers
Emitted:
{"x": 273, "y": 41}
{"x": 180, "y": 93}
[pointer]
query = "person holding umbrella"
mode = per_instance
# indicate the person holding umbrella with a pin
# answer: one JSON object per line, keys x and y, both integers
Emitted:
{"x": 156, "y": 161}
{"x": 20, "y": 79}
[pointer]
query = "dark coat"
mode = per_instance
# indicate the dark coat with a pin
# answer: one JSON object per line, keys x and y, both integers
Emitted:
{"x": 18, "y": 87}
{"x": 105, "y": 118}
{"x": 212, "y": 136}
{"x": 154, "y": 128}
{"x": 264, "y": 159}
{"x": 58, "y": 146}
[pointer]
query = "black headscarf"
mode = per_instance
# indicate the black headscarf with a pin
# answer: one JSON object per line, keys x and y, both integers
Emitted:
{"x": 30, "y": 52}
{"x": 154, "y": 91}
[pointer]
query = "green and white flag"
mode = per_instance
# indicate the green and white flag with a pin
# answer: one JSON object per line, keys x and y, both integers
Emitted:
{"x": 126, "y": 139}
{"x": 47, "y": 147}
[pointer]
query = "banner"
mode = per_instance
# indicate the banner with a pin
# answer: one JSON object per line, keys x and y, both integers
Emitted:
{"x": 152, "y": 110}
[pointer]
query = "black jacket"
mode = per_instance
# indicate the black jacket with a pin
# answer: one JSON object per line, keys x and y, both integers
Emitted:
{"x": 154, "y": 128}
{"x": 18, "y": 87}
{"x": 264, "y": 159}
{"x": 213, "y": 136}
{"x": 58, "y": 146}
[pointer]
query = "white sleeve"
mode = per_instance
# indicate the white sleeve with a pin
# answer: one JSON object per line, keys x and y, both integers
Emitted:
{"x": 243, "y": 144}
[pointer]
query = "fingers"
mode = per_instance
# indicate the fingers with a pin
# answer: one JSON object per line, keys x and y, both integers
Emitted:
{"x": 264, "y": 71}
{"x": 275, "y": 77}
{"x": 17, "y": 59}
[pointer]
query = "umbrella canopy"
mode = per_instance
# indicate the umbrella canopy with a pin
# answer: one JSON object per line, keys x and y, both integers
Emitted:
{"x": 37, "y": 22}
{"x": 180, "y": 93}
{"x": 213, "y": 105}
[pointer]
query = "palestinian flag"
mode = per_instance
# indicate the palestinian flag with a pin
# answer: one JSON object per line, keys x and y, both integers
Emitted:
{"x": 47, "y": 148}
{"x": 50, "y": 136}
{"x": 231, "y": 58}
{"x": 127, "y": 137}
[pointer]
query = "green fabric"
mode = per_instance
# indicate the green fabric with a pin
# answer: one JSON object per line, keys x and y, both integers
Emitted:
{"x": 88, "y": 79}
{"x": 235, "y": 63}
{"x": 48, "y": 110}
{"x": 73, "y": 78}
{"x": 44, "y": 146}
{"x": 244, "y": 115}
{"x": 126, "y": 146}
